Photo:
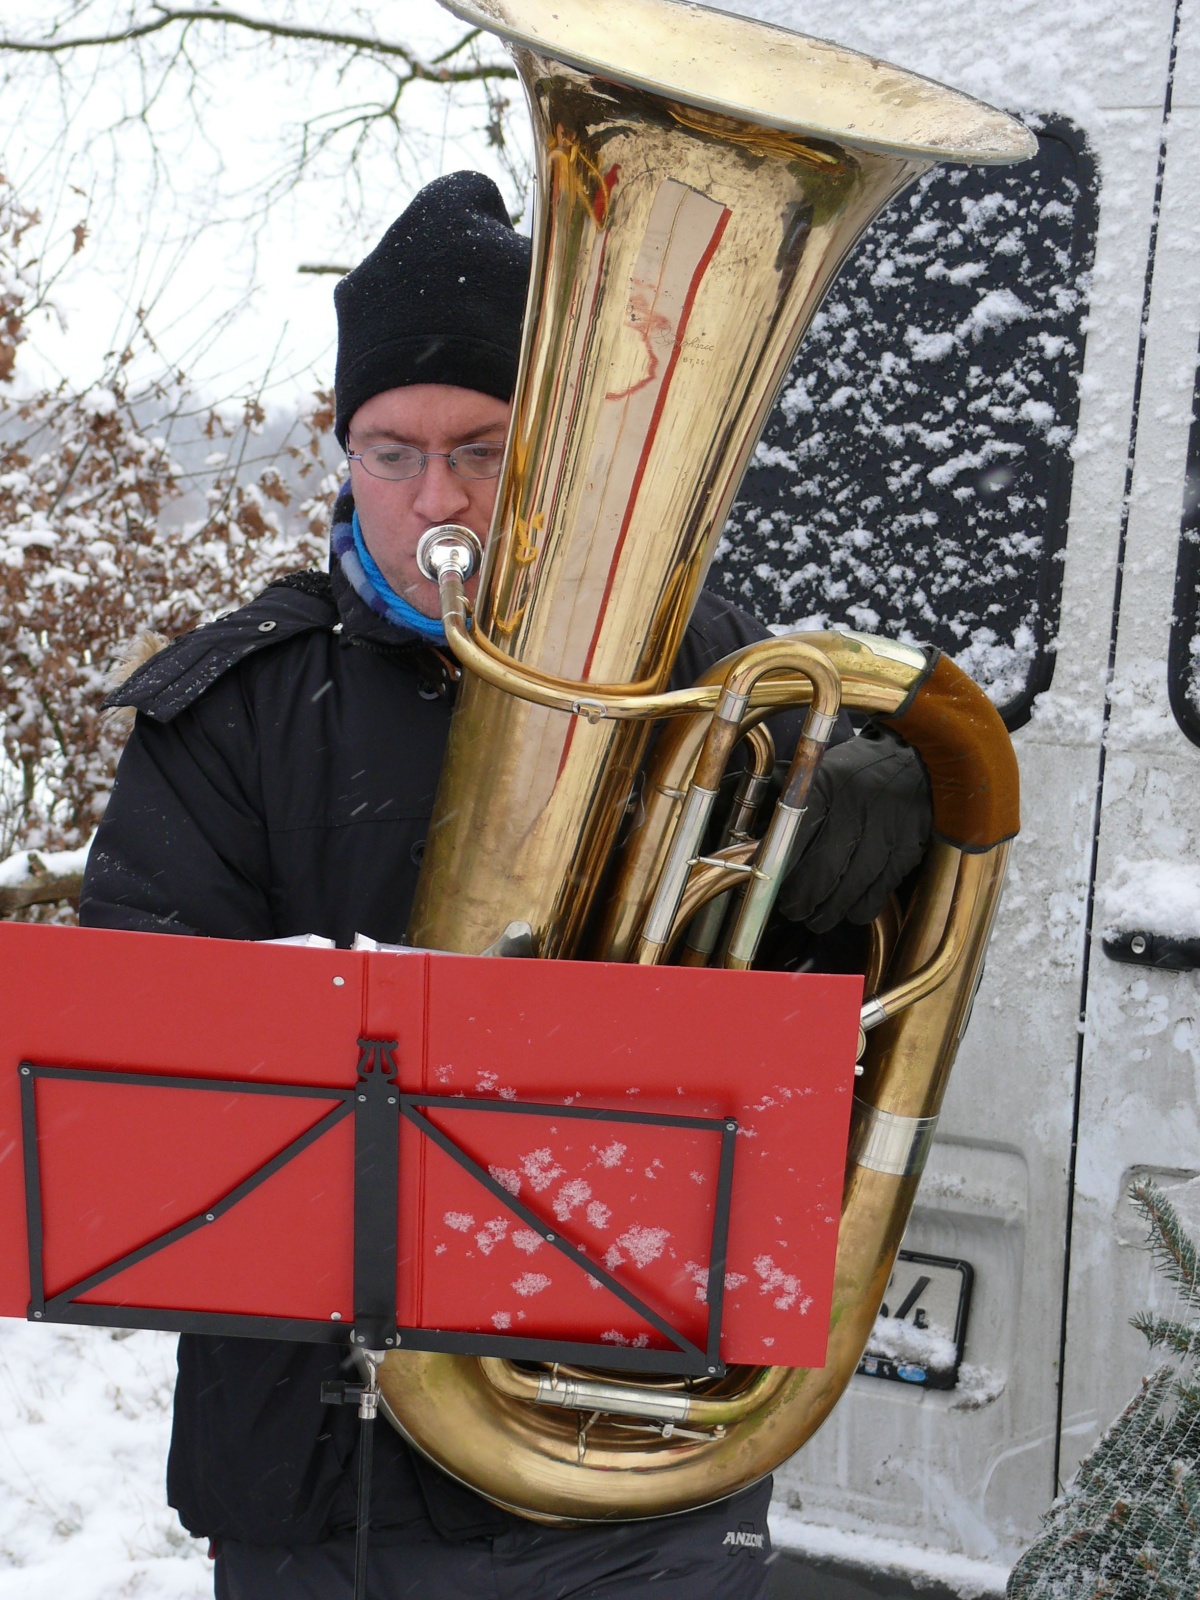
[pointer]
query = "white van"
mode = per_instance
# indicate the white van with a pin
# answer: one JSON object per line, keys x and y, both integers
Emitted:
{"x": 988, "y": 443}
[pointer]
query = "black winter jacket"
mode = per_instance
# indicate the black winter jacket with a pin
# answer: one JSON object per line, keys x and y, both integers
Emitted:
{"x": 279, "y": 780}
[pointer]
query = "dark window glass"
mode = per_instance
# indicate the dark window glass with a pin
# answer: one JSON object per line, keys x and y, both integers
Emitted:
{"x": 1183, "y": 660}
{"x": 914, "y": 478}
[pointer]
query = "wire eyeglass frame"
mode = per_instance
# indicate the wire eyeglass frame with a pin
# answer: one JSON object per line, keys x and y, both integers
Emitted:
{"x": 408, "y": 455}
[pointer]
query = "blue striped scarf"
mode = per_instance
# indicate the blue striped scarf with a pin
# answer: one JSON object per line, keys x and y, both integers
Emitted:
{"x": 370, "y": 585}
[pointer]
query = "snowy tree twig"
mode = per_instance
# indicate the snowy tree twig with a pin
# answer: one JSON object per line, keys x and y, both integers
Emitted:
{"x": 92, "y": 554}
{"x": 35, "y": 878}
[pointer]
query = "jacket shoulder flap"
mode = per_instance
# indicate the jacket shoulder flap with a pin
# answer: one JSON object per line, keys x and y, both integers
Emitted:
{"x": 189, "y": 666}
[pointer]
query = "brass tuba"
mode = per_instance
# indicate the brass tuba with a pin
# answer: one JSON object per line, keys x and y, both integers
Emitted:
{"x": 700, "y": 179}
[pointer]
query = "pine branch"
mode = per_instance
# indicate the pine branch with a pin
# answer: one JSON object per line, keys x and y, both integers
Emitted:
{"x": 1160, "y": 1331}
{"x": 436, "y": 71}
{"x": 1174, "y": 1252}
{"x": 1129, "y": 1525}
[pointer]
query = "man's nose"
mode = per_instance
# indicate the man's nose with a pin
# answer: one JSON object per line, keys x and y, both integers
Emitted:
{"x": 442, "y": 495}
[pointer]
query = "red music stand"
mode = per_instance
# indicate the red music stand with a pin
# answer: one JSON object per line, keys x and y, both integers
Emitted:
{"x": 632, "y": 1167}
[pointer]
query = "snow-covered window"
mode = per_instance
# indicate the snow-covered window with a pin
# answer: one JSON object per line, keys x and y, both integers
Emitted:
{"x": 915, "y": 477}
{"x": 1183, "y": 659}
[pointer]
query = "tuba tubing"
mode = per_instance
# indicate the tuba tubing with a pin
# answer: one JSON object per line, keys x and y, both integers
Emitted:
{"x": 509, "y": 1433}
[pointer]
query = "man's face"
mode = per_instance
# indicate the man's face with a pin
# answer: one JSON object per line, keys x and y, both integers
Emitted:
{"x": 436, "y": 419}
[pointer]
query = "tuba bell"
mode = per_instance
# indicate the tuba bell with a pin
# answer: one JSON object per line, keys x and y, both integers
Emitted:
{"x": 701, "y": 177}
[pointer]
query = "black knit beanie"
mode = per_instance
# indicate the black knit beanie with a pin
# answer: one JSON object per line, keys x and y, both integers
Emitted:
{"x": 440, "y": 299}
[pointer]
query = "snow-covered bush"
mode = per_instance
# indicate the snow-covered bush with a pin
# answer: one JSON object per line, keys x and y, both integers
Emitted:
{"x": 104, "y": 532}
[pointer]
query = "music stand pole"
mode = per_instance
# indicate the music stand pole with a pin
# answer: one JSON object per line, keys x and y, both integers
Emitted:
{"x": 367, "y": 1396}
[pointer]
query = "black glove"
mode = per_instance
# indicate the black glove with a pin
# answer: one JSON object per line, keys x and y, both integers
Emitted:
{"x": 866, "y": 827}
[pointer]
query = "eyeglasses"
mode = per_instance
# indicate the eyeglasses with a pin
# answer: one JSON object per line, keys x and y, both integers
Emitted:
{"x": 396, "y": 462}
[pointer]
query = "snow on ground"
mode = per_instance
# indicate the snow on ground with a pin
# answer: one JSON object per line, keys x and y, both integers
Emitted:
{"x": 84, "y": 1423}
{"x": 84, "y": 1426}
{"x": 887, "y": 1558}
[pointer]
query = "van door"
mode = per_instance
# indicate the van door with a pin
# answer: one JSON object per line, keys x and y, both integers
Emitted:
{"x": 952, "y": 466}
{"x": 1137, "y": 1111}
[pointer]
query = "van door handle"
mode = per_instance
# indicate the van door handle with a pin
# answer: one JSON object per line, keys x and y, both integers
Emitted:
{"x": 1162, "y": 950}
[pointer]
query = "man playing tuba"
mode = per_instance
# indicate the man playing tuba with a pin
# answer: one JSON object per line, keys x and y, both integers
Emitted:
{"x": 279, "y": 781}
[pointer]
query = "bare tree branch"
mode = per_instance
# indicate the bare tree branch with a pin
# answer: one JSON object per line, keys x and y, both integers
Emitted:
{"x": 31, "y": 878}
{"x": 48, "y": 47}
{"x": 40, "y": 891}
{"x": 152, "y": 46}
{"x": 430, "y": 72}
